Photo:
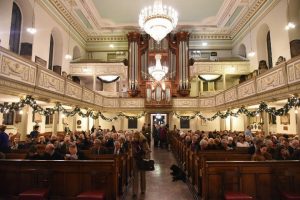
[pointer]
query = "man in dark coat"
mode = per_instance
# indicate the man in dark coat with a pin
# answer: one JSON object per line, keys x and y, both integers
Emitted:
{"x": 51, "y": 154}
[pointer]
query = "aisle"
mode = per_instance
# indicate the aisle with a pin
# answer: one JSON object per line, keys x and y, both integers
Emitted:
{"x": 159, "y": 182}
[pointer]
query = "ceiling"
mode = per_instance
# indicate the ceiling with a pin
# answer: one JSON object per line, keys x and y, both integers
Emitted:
{"x": 95, "y": 18}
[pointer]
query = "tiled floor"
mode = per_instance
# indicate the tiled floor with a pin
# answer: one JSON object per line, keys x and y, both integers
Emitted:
{"x": 159, "y": 182}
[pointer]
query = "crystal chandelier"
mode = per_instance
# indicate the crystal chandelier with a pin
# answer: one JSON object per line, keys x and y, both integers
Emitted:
{"x": 158, "y": 71}
{"x": 158, "y": 20}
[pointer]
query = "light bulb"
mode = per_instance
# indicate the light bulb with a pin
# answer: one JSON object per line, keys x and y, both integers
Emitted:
{"x": 21, "y": 112}
{"x": 289, "y": 26}
{"x": 251, "y": 54}
{"x": 68, "y": 57}
{"x": 296, "y": 111}
{"x": 31, "y": 30}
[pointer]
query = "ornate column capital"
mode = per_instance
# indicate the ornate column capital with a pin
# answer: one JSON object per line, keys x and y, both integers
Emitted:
{"x": 133, "y": 36}
{"x": 182, "y": 36}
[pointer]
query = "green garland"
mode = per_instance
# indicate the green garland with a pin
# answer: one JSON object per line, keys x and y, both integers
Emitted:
{"x": 6, "y": 107}
{"x": 292, "y": 103}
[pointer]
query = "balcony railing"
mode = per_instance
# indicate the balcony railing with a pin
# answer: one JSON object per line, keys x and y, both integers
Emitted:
{"x": 22, "y": 75}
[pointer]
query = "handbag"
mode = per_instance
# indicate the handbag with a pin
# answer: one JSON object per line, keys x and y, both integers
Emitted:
{"x": 145, "y": 165}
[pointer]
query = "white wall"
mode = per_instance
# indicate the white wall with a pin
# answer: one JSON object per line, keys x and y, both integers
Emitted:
{"x": 5, "y": 16}
{"x": 276, "y": 20}
{"x": 44, "y": 23}
{"x": 197, "y": 123}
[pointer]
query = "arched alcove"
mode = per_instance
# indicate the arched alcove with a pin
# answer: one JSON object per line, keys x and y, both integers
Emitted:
{"x": 293, "y": 16}
{"x": 26, "y": 38}
{"x": 263, "y": 43}
{"x": 57, "y": 44}
{"x": 242, "y": 51}
{"x": 76, "y": 53}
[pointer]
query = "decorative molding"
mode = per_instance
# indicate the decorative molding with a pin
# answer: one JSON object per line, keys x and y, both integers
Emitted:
{"x": 220, "y": 99}
{"x": 245, "y": 19}
{"x": 73, "y": 90}
{"x": 293, "y": 72}
{"x": 88, "y": 96}
{"x": 16, "y": 70}
{"x": 110, "y": 102}
{"x": 69, "y": 17}
{"x": 132, "y": 103}
{"x": 208, "y": 102}
{"x": 246, "y": 89}
{"x": 220, "y": 68}
{"x": 98, "y": 69}
{"x": 117, "y": 38}
{"x": 230, "y": 95}
{"x": 50, "y": 82}
{"x": 185, "y": 103}
{"x": 272, "y": 80}
{"x": 98, "y": 100}
{"x": 197, "y": 36}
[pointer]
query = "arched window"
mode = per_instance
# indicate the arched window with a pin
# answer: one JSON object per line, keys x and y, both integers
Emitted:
{"x": 269, "y": 49}
{"x": 242, "y": 51}
{"x": 51, "y": 53}
{"x": 15, "y": 29}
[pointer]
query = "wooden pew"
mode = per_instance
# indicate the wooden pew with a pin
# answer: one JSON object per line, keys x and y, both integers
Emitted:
{"x": 261, "y": 180}
{"x": 213, "y": 155}
{"x": 69, "y": 178}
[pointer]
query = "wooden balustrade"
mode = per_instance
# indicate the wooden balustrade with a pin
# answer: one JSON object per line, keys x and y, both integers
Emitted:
{"x": 16, "y": 71}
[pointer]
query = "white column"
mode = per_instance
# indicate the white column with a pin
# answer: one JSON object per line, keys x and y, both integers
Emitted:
{"x": 24, "y": 124}
{"x": 265, "y": 119}
{"x": 55, "y": 123}
{"x": 94, "y": 83}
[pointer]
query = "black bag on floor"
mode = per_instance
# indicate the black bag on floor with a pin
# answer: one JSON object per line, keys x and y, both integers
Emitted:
{"x": 145, "y": 165}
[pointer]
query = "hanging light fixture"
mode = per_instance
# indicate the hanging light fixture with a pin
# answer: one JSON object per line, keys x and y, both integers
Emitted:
{"x": 32, "y": 29}
{"x": 68, "y": 56}
{"x": 158, "y": 20}
{"x": 158, "y": 71}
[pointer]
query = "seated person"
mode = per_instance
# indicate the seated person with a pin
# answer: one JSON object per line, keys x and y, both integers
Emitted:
{"x": 118, "y": 149}
{"x": 74, "y": 154}
{"x": 33, "y": 153}
{"x": 51, "y": 154}
{"x": 261, "y": 154}
{"x": 98, "y": 148}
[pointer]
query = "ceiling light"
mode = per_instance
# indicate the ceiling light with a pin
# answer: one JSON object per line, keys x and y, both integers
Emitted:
{"x": 289, "y": 26}
{"x": 31, "y": 30}
{"x": 210, "y": 77}
{"x": 111, "y": 46}
{"x": 204, "y": 44}
{"x": 68, "y": 55}
{"x": 108, "y": 78}
{"x": 158, "y": 20}
{"x": 158, "y": 71}
{"x": 251, "y": 54}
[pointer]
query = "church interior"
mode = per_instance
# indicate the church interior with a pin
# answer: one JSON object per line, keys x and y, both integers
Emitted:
{"x": 212, "y": 87}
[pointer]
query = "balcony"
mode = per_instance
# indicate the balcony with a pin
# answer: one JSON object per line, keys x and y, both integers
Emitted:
{"x": 20, "y": 76}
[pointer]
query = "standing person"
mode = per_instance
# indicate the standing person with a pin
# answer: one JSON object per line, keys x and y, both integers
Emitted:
{"x": 34, "y": 134}
{"x": 248, "y": 131}
{"x": 147, "y": 133}
{"x": 155, "y": 135}
{"x": 113, "y": 129}
{"x": 140, "y": 150}
{"x": 4, "y": 141}
{"x": 163, "y": 137}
